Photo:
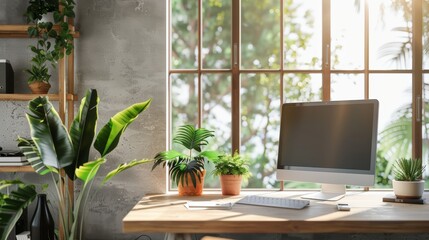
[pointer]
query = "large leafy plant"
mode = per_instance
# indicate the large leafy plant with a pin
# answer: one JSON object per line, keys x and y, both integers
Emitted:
{"x": 65, "y": 155}
{"x": 191, "y": 163}
{"x": 408, "y": 169}
{"x": 12, "y": 205}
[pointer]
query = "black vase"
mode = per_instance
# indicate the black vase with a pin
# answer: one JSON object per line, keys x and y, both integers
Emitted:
{"x": 42, "y": 223}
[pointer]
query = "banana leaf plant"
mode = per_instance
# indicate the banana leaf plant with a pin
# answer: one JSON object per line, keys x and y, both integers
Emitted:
{"x": 65, "y": 154}
{"x": 181, "y": 164}
{"x": 13, "y": 204}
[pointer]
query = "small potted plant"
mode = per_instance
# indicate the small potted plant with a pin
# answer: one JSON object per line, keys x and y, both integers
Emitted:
{"x": 51, "y": 44}
{"x": 408, "y": 181}
{"x": 187, "y": 169}
{"x": 231, "y": 169}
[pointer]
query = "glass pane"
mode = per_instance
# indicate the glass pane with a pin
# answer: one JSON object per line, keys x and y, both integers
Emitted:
{"x": 390, "y": 34}
{"x": 393, "y": 91}
{"x": 216, "y": 49}
{"x": 184, "y": 101}
{"x": 302, "y": 87}
{"x": 425, "y": 128}
{"x": 347, "y": 34}
{"x": 260, "y": 126}
{"x": 347, "y": 86}
{"x": 426, "y": 34}
{"x": 302, "y": 34}
{"x": 217, "y": 117}
{"x": 184, "y": 34}
{"x": 260, "y": 34}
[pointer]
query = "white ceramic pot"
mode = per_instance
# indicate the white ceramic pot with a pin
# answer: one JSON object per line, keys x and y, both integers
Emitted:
{"x": 408, "y": 189}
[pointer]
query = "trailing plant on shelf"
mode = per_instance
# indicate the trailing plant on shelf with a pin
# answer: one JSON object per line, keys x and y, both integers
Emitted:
{"x": 231, "y": 168}
{"x": 188, "y": 168}
{"x": 51, "y": 43}
{"x": 408, "y": 181}
{"x": 53, "y": 150}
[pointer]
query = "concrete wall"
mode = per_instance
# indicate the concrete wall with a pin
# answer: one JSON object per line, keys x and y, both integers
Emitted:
{"x": 121, "y": 53}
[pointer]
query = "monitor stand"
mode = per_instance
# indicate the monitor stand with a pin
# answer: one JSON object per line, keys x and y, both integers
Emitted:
{"x": 329, "y": 192}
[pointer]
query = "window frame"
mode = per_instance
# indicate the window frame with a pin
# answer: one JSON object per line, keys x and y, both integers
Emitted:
{"x": 326, "y": 72}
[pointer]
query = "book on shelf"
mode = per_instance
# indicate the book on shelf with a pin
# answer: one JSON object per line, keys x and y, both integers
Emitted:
{"x": 7, "y": 157}
{"x": 13, "y": 164}
{"x": 393, "y": 198}
{"x": 13, "y": 159}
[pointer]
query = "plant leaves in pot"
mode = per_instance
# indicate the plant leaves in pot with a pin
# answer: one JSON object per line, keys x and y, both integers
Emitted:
{"x": 231, "y": 169}
{"x": 187, "y": 169}
{"x": 408, "y": 181}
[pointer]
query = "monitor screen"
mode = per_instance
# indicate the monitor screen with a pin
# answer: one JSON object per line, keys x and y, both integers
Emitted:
{"x": 328, "y": 142}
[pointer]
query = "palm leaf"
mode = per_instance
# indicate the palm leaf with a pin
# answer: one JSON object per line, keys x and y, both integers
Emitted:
{"x": 210, "y": 155}
{"x": 192, "y": 138}
{"x": 108, "y": 137}
{"x": 49, "y": 134}
{"x": 163, "y": 157}
{"x": 12, "y": 208}
{"x": 180, "y": 169}
{"x": 32, "y": 155}
{"x": 82, "y": 130}
{"x": 124, "y": 166}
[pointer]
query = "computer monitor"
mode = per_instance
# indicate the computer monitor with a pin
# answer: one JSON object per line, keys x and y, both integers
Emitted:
{"x": 332, "y": 143}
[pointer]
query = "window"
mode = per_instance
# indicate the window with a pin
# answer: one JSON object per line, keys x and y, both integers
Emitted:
{"x": 233, "y": 63}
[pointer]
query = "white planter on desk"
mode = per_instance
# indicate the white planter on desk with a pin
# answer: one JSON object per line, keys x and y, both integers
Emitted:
{"x": 408, "y": 189}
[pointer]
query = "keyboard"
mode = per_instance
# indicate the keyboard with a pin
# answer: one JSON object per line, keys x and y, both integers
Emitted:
{"x": 266, "y": 201}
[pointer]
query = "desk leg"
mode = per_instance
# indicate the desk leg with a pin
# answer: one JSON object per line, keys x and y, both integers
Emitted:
{"x": 178, "y": 236}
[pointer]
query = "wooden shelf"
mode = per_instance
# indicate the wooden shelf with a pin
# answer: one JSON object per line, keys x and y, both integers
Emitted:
{"x": 20, "y": 31}
{"x": 28, "y": 97}
{"x": 27, "y": 168}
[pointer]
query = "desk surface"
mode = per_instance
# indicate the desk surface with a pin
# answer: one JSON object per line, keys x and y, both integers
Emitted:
{"x": 368, "y": 214}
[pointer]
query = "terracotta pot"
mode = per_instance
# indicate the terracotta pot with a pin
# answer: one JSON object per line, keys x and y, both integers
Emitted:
{"x": 39, "y": 87}
{"x": 230, "y": 184}
{"x": 408, "y": 189}
{"x": 190, "y": 190}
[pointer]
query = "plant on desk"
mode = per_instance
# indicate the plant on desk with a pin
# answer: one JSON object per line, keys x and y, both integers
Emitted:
{"x": 187, "y": 169}
{"x": 408, "y": 181}
{"x": 231, "y": 169}
{"x": 65, "y": 155}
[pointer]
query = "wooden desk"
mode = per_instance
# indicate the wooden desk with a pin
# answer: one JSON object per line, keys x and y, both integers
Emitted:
{"x": 369, "y": 214}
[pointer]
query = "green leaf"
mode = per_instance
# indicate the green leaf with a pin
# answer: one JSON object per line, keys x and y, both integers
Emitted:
{"x": 210, "y": 155}
{"x": 87, "y": 171}
{"x": 49, "y": 134}
{"x": 108, "y": 137}
{"x": 12, "y": 208}
{"x": 124, "y": 166}
{"x": 192, "y": 138}
{"x": 82, "y": 130}
{"x": 32, "y": 155}
{"x": 170, "y": 155}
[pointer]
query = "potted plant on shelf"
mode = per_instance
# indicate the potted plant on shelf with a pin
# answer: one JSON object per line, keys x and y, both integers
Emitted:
{"x": 231, "y": 169}
{"x": 54, "y": 150}
{"x": 51, "y": 44}
{"x": 187, "y": 169}
{"x": 408, "y": 181}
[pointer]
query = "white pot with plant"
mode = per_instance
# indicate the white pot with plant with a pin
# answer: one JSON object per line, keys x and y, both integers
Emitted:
{"x": 408, "y": 181}
{"x": 231, "y": 169}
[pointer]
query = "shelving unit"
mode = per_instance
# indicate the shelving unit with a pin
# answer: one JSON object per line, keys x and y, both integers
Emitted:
{"x": 65, "y": 95}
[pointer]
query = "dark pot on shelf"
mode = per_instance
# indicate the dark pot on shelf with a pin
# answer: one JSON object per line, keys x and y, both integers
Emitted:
{"x": 42, "y": 223}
